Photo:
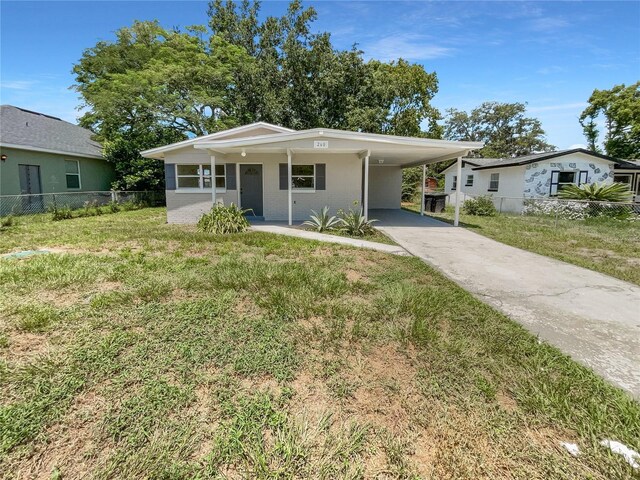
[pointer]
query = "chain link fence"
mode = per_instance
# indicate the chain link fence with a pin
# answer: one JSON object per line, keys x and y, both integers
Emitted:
{"x": 559, "y": 209}
{"x": 21, "y": 205}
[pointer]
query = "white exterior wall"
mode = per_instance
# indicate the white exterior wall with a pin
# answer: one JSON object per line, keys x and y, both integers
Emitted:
{"x": 525, "y": 181}
{"x": 343, "y": 185}
{"x": 385, "y": 186}
{"x": 537, "y": 178}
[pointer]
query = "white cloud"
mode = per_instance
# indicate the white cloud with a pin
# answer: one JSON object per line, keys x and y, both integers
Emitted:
{"x": 578, "y": 145}
{"x": 17, "y": 84}
{"x": 409, "y": 46}
{"x": 545, "y": 24}
{"x": 551, "y": 69}
{"x": 562, "y": 106}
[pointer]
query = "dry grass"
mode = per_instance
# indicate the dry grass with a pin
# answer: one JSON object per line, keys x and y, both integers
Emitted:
{"x": 178, "y": 355}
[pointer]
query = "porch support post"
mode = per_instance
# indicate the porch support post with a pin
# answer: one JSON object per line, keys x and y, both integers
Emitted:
{"x": 213, "y": 180}
{"x": 424, "y": 179}
{"x": 456, "y": 221}
{"x": 365, "y": 199}
{"x": 289, "y": 196}
{"x": 238, "y": 185}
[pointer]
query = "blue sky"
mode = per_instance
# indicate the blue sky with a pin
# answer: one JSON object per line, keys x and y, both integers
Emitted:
{"x": 548, "y": 54}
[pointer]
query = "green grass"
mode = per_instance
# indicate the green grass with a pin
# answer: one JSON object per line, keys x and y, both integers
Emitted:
{"x": 608, "y": 246}
{"x": 144, "y": 350}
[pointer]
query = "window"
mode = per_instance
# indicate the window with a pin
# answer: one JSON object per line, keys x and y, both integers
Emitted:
{"x": 559, "y": 180}
{"x": 72, "y": 172}
{"x": 469, "y": 181}
{"x": 303, "y": 177}
{"x": 494, "y": 182}
{"x": 455, "y": 182}
{"x": 199, "y": 176}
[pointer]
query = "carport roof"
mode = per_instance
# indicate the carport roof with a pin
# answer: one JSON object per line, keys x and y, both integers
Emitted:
{"x": 386, "y": 149}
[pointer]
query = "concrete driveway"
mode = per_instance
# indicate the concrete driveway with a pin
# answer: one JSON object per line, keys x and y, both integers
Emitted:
{"x": 592, "y": 317}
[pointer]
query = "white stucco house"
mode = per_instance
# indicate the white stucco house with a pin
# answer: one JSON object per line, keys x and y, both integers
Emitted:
{"x": 510, "y": 180}
{"x": 282, "y": 174}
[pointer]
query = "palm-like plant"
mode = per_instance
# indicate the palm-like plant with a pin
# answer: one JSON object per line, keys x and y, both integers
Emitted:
{"x": 322, "y": 221}
{"x": 354, "y": 223}
{"x": 597, "y": 192}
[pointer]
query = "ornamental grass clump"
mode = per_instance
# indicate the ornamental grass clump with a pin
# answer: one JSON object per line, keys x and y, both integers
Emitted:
{"x": 223, "y": 220}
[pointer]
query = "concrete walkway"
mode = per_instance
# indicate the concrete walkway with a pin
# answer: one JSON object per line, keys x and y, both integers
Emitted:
{"x": 592, "y": 317}
{"x": 297, "y": 232}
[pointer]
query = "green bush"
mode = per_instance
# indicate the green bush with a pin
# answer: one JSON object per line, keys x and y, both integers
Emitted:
{"x": 60, "y": 213}
{"x": 223, "y": 220}
{"x": 480, "y": 206}
{"x": 8, "y": 221}
{"x": 597, "y": 192}
{"x": 114, "y": 207}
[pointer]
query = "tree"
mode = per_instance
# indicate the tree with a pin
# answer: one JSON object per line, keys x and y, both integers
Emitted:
{"x": 620, "y": 109}
{"x": 300, "y": 81}
{"x": 151, "y": 87}
{"x": 503, "y": 127}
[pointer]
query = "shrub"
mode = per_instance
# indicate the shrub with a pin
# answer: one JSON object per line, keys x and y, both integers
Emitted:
{"x": 60, "y": 213}
{"x": 480, "y": 206}
{"x": 353, "y": 222}
{"x": 114, "y": 207}
{"x": 130, "y": 205}
{"x": 8, "y": 221}
{"x": 322, "y": 221}
{"x": 222, "y": 220}
{"x": 597, "y": 192}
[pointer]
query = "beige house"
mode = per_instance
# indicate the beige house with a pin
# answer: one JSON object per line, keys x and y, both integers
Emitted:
{"x": 282, "y": 174}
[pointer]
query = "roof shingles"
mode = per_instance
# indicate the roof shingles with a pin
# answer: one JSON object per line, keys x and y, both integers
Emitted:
{"x": 27, "y": 129}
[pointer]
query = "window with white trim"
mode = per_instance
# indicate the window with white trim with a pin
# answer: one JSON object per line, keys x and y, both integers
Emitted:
{"x": 469, "y": 181}
{"x": 303, "y": 177}
{"x": 455, "y": 182}
{"x": 72, "y": 173}
{"x": 494, "y": 182}
{"x": 560, "y": 179}
{"x": 199, "y": 176}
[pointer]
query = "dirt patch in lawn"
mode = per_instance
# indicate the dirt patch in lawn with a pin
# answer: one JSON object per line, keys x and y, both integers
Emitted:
{"x": 24, "y": 346}
{"x": 71, "y": 446}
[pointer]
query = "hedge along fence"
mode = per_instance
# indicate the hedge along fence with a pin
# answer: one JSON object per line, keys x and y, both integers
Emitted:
{"x": 20, "y": 205}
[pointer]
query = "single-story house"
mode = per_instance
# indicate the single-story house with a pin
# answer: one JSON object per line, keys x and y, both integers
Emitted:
{"x": 535, "y": 176}
{"x": 282, "y": 174}
{"x": 44, "y": 154}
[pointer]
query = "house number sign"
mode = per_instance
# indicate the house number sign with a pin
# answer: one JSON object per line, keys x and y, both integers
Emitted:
{"x": 321, "y": 144}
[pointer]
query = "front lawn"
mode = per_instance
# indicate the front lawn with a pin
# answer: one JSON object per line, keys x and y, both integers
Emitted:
{"x": 138, "y": 349}
{"x": 602, "y": 244}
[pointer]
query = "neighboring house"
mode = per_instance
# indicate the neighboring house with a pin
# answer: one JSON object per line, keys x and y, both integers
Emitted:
{"x": 282, "y": 174}
{"x": 535, "y": 176}
{"x": 44, "y": 154}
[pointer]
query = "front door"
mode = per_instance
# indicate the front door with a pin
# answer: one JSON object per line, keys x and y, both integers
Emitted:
{"x": 251, "y": 188}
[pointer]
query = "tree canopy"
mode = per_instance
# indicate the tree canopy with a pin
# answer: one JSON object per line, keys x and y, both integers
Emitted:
{"x": 503, "y": 127}
{"x": 152, "y": 86}
{"x": 619, "y": 107}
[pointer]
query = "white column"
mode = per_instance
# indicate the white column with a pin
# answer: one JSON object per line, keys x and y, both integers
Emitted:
{"x": 458, "y": 190}
{"x": 238, "y": 186}
{"x": 213, "y": 180}
{"x": 290, "y": 197}
{"x": 365, "y": 199}
{"x": 424, "y": 179}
